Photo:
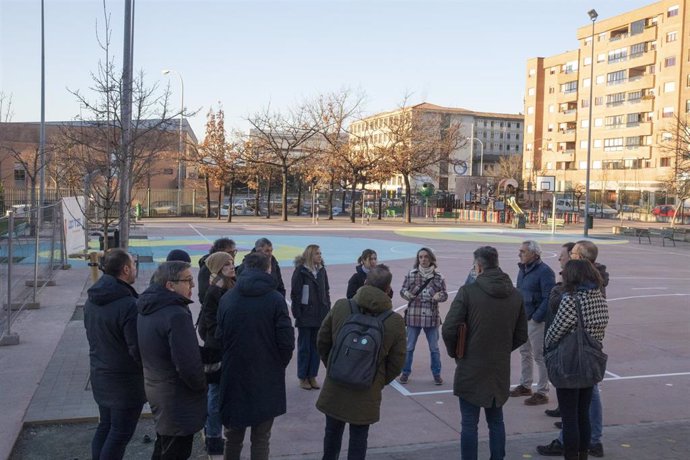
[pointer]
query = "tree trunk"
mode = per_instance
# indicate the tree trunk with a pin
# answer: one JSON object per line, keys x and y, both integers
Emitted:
{"x": 380, "y": 201}
{"x": 284, "y": 178}
{"x": 353, "y": 189}
{"x": 330, "y": 200}
{"x": 257, "y": 198}
{"x": 268, "y": 198}
{"x": 231, "y": 207}
{"x": 220, "y": 202}
{"x": 408, "y": 199}
{"x": 208, "y": 197}
{"x": 299, "y": 198}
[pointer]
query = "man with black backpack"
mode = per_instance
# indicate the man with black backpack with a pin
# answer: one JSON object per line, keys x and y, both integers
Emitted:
{"x": 362, "y": 343}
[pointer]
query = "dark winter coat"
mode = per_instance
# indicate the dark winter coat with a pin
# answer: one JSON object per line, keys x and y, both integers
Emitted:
{"x": 496, "y": 325}
{"x": 110, "y": 318}
{"x": 275, "y": 274}
{"x": 535, "y": 282}
{"x": 557, "y": 293}
{"x": 318, "y": 303}
{"x": 173, "y": 373}
{"x": 356, "y": 281}
{"x": 257, "y": 339}
{"x": 361, "y": 407}
{"x": 203, "y": 278}
{"x": 208, "y": 317}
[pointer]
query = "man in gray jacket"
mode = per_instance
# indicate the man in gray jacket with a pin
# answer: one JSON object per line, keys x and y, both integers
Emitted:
{"x": 496, "y": 325}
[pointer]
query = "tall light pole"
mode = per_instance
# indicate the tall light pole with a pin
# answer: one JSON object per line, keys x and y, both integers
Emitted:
{"x": 481, "y": 154}
{"x": 180, "y": 147}
{"x": 593, "y": 16}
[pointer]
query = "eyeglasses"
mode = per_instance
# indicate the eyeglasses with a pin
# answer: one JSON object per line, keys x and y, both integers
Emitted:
{"x": 188, "y": 280}
{"x": 232, "y": 252}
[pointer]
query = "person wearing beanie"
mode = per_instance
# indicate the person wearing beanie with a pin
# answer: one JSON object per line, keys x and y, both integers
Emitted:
{"x": 178, "y": 254}
{"x": 222, "y": 278}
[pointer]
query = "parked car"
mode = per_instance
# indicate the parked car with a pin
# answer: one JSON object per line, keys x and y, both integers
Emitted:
{"x": 595, "y": 209}
{"x": 163, "y": 208}
{"x": 664, "y": 210}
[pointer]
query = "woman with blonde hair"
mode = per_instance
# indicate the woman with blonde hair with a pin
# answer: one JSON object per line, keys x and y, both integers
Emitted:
{"x": 311, "y": 301}
{"x": 221, "y": 266}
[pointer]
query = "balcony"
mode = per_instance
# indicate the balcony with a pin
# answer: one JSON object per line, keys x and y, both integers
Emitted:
{"x": 566, "y": 135}
{"x": 623, "y": 40}
{"x": 640, "y": 82}
{"x": 643, "y": 59}
{"x": 645, "y": 104}
{"x": 565, "y": 77}
{"x": 642, "y": 129}
{"x": 567, "y": 115}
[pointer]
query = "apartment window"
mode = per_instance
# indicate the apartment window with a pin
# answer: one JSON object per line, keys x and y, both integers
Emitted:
{"x": 569, "y": 87}
{"x": 509, "y": 124}
{"x": 549, "y": 165}
{"x": 598, "y": 122}
{"x": 600, "y": 79}
{"x": 551, "y": 90}
{"x": 633, "y": 119}
{"x": 637, "y": 27}
{"x": 638, "y": 50}
{"x": 517, "y": 125}
{"x": 501, "y": 124}
{"x": 531, "y": 92}
{"x": 666, "y": 137}
{"x": 687, "y": 106}
{"x": 530, "y": 129}
{"x": 530, "y": 110}
{"x": 665, "y": 162}
{"x": 587, "y": 61}
{"x": 19, "y": 172}
{"x": 615, "y": 121}
{"x": 595, "y": 164}
{"x": 550, "y": 128}
{"x": 492, "y": 124}
{"x": 634, "y": 96}
{"x": 586, "y": 83}
{"x": 599, "y": 100}
{"x": 528, "y": 165}
{"x": 597, "y": 143}
{"x": 634, "y": 141}
{"x": 615, "y": 78}
{"x": 672, "y": 11}
{"x": 583, "y": 145}
{"x": 670, "y": 61}
{"x": 584, "y": 103}
{"x": 517, "y": 137}
{"x": 671, "y": 37}
{"x": 485, "y": 124}
{"x": 667, "y": 112}
{"x": 584, "y": 123}
{"x": 532, "y": 72}
{"x": 508, "y": 136}
{"x": 583, "y": 165}
{"x": 613, "y": 144}
{"x": 618, "y": 55}
{"x": 615, "y": 99}
{"x": 669, "y": 86}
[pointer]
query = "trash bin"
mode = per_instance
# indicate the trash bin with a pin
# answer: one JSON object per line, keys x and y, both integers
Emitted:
{"x": 521, "y": 222}
{"x": 590, "y": 221}
{"x": 113, "y": 240}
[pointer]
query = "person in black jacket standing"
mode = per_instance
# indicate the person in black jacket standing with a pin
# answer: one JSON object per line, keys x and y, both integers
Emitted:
{"x": 117, "y": 380}
{"x": 174, "y": 376}
{"x": 257, "y": 339}
{"x": 311, "y": 301}
{"x": 265, "y": 247}
{"x": 365, "y": 262}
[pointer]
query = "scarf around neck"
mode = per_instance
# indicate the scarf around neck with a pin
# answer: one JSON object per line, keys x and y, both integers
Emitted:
{"x": 426, "y": 272}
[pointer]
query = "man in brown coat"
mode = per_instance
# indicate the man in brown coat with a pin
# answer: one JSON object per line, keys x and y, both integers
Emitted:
{"x": 359, "y": 408}
{"x": 496, "y": 325}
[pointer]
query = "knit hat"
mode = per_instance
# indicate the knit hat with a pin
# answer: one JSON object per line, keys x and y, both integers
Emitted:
{"x": 179, "y": 255}
{"x": 216, "y": 261}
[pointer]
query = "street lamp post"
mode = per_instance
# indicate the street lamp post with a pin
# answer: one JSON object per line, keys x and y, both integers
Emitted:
{"x": 481, "y": 154}
{"x": 593, "y": 16}
{"x": 180, "y": 147}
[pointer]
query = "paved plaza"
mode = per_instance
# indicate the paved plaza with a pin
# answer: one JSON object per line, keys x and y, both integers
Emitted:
{"x": 646, "y": 393}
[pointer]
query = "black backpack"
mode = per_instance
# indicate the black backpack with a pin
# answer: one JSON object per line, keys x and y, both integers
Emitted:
{"x": 353, "y": 361}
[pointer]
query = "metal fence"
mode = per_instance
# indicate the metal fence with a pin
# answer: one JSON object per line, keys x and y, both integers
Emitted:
{"x": 31, "y": 249}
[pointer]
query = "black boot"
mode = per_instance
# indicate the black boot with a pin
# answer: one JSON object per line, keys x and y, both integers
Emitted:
{"x": 583, "y": 455}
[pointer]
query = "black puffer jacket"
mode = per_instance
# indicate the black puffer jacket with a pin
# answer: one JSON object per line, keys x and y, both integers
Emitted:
{"x": 315, "y": 290}
{"x": 203, "y": 278}
{"x": 275, "y": 274}
{"x": 110, "y": 318}
{"x": 356, "y": 281}
{"x": 173, "y": 373}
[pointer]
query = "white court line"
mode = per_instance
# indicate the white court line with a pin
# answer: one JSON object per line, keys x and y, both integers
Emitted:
{"x": 646, "y": 296}
{"x": 199, "y": 233}
{"x": 650, "y": 288}
{"x": 395, "y": 384}
{"x": 613, "y": 375}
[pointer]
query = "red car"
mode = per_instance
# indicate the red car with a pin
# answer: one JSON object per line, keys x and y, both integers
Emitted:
{"x": 664, "y": 210}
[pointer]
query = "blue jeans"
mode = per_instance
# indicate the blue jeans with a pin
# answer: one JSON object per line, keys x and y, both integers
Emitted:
{"x": 307, "y": 353}
{"x": 333, "y": 438}
{"x": 115, "y": 429}
{"x": 469, "y": 439}
{"x": 431, "y": 337}
{"x": 595, "y": 418}
{"x": 214, "y": 426}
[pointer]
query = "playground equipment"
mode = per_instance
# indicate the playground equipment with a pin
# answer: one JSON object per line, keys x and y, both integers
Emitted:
{"x": 520, "y": 219}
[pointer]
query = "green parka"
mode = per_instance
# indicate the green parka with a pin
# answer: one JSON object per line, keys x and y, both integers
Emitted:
{"x": 496, "y": 325}
{"x": 361, "y": 407}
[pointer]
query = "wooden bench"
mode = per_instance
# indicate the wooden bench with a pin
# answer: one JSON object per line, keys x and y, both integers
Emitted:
{"x": 643, "y": 233}
{"x": 560, "y": 223}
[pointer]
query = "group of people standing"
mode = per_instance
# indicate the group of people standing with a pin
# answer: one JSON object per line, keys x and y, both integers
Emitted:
{"x": 145, "y": 347}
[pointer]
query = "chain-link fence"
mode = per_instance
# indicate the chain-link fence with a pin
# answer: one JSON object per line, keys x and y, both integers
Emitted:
{"x": 31, "y": 248}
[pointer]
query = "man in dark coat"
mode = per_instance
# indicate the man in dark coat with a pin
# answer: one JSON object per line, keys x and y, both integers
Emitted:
{"x": 257, "y": 339}
{"x": 117, "y": 380}
{"x": 265, "y": 247}
{"x": 173, "y": 372}
{"x": 535, "y": 281}
{"x": 221, "y": 244}
{"x": 360, "y": 408}
{"x": 496, "y": 325}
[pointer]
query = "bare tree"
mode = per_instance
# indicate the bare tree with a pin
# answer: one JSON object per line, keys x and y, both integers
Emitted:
{"x": 677, "y": 145}
{"x": 279, "y": 139}
{"x": 507, "y": 167}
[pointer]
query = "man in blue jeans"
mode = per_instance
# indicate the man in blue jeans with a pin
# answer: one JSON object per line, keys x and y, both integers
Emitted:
{"x": 496, "y": 323}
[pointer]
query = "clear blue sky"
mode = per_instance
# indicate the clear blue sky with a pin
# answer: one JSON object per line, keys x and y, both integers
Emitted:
{"x": 248, "y": 54}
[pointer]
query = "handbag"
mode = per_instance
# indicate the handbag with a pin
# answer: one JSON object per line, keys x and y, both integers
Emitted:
{"x": 577, "y": 360}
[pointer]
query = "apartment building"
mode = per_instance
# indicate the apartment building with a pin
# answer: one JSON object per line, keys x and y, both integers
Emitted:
{"x": 484, "y": 138}
{"x": 637, "y": 66}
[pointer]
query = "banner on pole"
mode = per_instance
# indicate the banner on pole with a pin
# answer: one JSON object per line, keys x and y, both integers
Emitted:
{"x": 73, "y": 221}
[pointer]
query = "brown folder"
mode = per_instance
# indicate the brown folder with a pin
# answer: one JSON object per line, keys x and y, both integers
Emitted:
{"x": 462, "y": 339}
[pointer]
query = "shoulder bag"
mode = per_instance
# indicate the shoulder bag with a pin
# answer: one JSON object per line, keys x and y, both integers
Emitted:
{"x": 577, "y": 360}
